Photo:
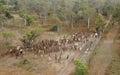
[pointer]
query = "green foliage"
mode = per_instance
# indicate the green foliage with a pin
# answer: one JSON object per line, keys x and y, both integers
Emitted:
{"x": 23, "y": 13}
{"x": 30, "y": 36}
{"x": 24, "y": 39}
{"x": 3, "y": 8}
{"x": 61, "y": 12}
{"x": 72, "y": 12}
{"x": 100, "y": 23}
{"x": 76, "y": 7}
{"x": 7, "y": 35}
{"x": 106, "y": 11}
{"x": 116, "y": 14}
{"x": 80, "y": 68}
{"x": 30, "y": 19}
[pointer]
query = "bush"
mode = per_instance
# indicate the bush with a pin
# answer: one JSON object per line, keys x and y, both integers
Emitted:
{"x": 100, "y": 23}
{"x": 30, "y": 20}
{"x": 23, "y": 13}
{"x": 27, "y": 40}
{"x": 8, "y": 15}
{"x": 30, "y": 36}
{"x": 80, "y": 68}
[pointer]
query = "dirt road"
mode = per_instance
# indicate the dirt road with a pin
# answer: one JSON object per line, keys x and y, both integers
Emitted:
{"x": 103, "y": 54}
{"x": 82, "y": 55}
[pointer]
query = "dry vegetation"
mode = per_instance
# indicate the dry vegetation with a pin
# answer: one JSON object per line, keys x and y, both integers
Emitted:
{"x": 103, "y": 55}
{"x": 56, "y": 20}
{"x": 114, "y": 67}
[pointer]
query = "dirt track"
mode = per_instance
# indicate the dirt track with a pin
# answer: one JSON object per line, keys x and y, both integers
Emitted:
{"x": 103, "y": 54}
{"x": 82, "y": 55}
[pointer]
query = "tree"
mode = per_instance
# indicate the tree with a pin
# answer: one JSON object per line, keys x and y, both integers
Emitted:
{"x": 41, "y": 7}
{"x": 72, "y": 18}
{"x": 107, "y": 8}
{"x": 70, "y": 12}
{"x": 88, "y": 12}
{"x": 116, "y": 13}
{"x": 57, "y": 22}
{"x": 27, "y": 18}
{"x": 83, "y": 10}
{"x": 80, "y": 68}
{"x": 78, "y": 7}
{"x": 100, "y": 23}
{"x": 28, "y": 39}
{"x": 23, "y": 14}
{"x": 98, "y": 4}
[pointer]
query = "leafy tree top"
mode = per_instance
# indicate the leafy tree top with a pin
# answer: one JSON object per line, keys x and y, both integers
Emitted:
{"x": 100, "y": 22}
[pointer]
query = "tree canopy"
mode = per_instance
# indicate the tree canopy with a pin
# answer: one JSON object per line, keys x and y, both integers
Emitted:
{"x": 100, "y": 23}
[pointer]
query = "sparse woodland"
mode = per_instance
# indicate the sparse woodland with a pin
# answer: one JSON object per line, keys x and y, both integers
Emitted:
{"x": 52, "y": 27}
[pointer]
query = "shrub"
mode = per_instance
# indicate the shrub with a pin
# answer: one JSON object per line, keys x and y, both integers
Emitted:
{"x": 30, "y": 19}
{"x": 80, "y": 68}
{"x": 8, "y": 15}
{"x": 27, "y": 40}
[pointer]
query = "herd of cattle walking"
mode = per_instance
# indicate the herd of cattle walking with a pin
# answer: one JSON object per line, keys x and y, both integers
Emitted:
{"x": 49, "y": 46}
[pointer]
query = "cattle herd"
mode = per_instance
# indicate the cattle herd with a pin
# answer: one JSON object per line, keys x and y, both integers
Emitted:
{"x": 48, "y": 46}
